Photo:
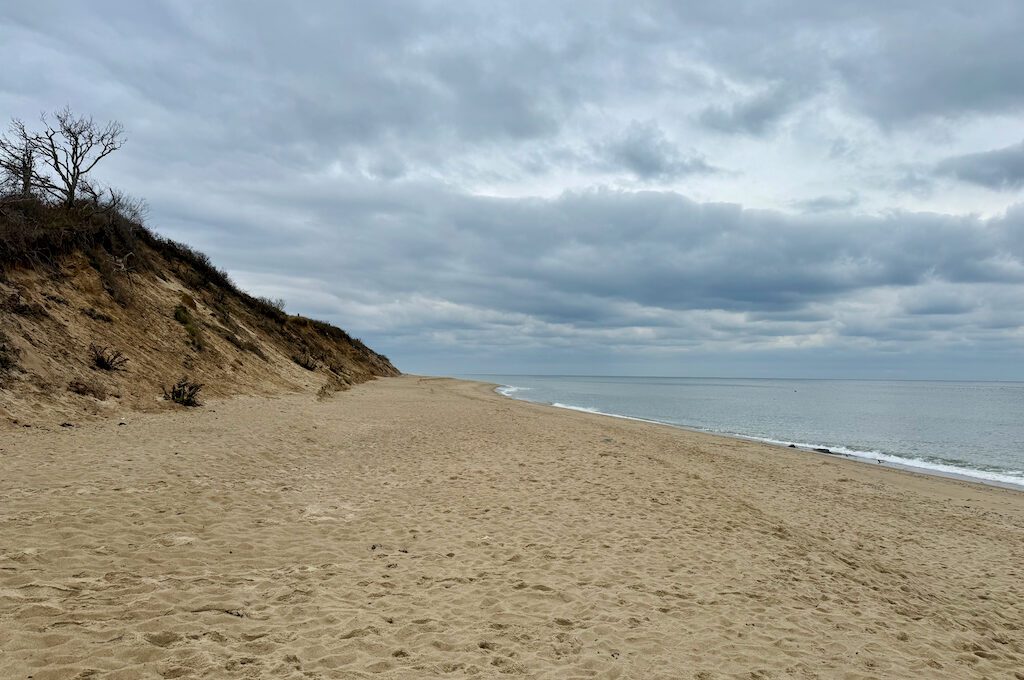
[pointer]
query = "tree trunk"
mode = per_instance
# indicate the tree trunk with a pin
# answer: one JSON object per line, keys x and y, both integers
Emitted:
{"x": 27, "y": 165}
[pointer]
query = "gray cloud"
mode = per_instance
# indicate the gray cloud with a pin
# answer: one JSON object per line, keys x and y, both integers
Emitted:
{"x": 652, "y": 270}
{"x": 1001, "y": 169}
{"x": 449, "y": 180}
{"x": 755, "y": 114}
{"x": 644, "y": 150}
{"x": 828, "y": 203}
{"x": 951, "y": 62}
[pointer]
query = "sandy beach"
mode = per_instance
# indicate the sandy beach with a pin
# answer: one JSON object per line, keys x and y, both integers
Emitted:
{"x": 417, "y": 527}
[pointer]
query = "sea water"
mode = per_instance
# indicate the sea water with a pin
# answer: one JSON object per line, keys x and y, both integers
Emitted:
{"x": 974, "y": 429}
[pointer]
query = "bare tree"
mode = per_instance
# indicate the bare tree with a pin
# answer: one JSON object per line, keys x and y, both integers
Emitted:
{"x": 18, "y": 158}
{"x": 71, "y": 146}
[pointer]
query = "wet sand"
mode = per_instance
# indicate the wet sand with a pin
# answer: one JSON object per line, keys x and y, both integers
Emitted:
{"x": 417, "y": 527}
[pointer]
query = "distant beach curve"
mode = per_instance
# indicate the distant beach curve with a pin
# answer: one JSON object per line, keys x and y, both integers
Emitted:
{"x": 966, "y": 429}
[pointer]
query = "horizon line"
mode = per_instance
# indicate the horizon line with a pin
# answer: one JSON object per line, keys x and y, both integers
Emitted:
{"x": 720, "y": 377}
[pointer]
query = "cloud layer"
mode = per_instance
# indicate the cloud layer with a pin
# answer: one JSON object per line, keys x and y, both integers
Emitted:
{"x": 660, "y": 187}
{"x": 1000, "y": 169}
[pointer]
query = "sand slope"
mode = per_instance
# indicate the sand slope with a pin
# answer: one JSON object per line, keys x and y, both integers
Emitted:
{"x": 427, "y": 528}
{"x": 173, "y": 322}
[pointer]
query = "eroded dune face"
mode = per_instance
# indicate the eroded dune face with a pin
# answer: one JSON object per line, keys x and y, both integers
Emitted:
{"x": 417, "y": 528}
{"x": 168, "y": 317}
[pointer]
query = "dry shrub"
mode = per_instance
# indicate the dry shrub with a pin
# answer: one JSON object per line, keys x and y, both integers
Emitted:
{"x": 16, "y": 305}
{"x": 306, "y": 360}
{"x": 33, "y": 232}
{"x": 97, "y": 315}
{"x": 184, "y": 316}
{"x": 107, "y": 359}
{"x": 115, "y": 282}
{"x": 194, "y": 267}
{"x": 88, "y": 388}
{"x": 273, "y": 303}
{"x": 184, "y": 392}
{"x": 251, "y": 346}
{"x": 8, "y": 354}
{"x": 232, "y": 338}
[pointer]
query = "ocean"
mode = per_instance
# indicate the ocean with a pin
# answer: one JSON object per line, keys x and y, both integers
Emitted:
{"x": 972, "y": 429}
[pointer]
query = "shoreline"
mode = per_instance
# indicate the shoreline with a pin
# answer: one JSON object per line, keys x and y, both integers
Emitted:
{"x": 959, "y": 473}
{"x": 419, "y": 527}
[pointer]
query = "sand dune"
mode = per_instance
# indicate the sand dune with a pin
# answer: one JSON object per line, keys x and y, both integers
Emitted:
{"x": 417, "y": 528}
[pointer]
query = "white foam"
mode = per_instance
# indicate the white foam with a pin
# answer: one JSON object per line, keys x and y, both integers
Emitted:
{"x": 1013, "y": 478}
{"x": 585, "y": 409}
{"x": 509, "y": 390}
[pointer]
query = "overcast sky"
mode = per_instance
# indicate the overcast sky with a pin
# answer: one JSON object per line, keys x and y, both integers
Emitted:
{"x": 789, "y": 188}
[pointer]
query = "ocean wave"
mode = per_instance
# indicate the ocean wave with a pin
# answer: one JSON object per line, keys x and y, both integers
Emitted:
{"x": 509, "y": 390}
{"x": 585, "y": 409}
{"x": 1009, "y": 477}
{"x": 1012, "y": 477}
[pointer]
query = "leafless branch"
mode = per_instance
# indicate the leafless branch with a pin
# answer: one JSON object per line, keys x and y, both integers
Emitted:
{"x": 18, "y": 158}
{"x": 71, "y": 146}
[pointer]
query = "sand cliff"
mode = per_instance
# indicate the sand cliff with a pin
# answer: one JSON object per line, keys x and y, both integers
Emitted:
{"x": 69, "y": 288}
